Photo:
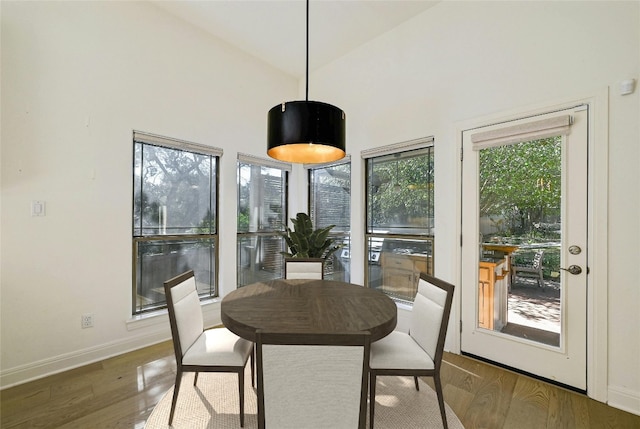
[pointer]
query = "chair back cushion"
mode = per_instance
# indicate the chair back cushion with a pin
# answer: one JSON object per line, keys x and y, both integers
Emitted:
{"x": 313, "y": 386}
{"x": 304, "y": 269}
{"x": 537, "y": 260}
{"x": 426, "y": 316}
{"x": 188, "y": 314}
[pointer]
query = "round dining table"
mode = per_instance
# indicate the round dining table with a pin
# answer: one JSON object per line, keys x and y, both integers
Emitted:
{"x": 308, "y": 307}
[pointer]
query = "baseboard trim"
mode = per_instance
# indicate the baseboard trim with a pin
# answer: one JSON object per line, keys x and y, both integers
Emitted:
{"x": 153, "y": 328}
{"x": 64, "y": 362}
{"x": 624, "y": 399}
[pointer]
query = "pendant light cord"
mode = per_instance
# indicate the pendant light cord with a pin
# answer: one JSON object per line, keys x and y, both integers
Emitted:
{"x": 307, "y": 75}
{"x": 306, "y": 131}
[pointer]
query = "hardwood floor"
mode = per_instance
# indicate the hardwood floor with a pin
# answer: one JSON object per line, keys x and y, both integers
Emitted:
{"x": 121, "y": 392}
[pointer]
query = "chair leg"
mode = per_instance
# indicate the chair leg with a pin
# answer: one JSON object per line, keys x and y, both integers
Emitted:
{"x": 541, "y": 281}
{"x": 253, "y": 376}
{"x": 195, "y": 379}
{"x": 415, "y": 379}
{"x": 443, "y": 413}
{"x": 176, "y": 389}
{"x": 372, "y": 398}
{"x": 241, "y": 392}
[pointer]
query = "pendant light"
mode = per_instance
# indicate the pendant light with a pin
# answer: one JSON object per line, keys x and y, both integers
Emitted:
{"x": 306, "y": 131}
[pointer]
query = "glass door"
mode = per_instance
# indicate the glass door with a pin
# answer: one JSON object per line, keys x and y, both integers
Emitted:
{"x": 524, "y": 281}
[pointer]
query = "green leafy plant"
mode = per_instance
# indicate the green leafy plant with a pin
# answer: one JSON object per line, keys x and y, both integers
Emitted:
{"x": 305, "y": 242}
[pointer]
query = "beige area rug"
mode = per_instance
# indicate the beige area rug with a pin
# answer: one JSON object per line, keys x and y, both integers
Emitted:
{"x": 213, "y": 403}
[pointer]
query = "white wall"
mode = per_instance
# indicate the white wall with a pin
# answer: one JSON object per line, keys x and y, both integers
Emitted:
{"x": 464, "y": 60}
{"x": 77, "y": 78}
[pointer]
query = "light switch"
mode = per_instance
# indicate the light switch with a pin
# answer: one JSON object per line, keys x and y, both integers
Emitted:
{"x": 38, "y": 208}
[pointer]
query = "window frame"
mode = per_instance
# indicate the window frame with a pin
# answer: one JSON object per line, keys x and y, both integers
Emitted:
{"x": 246, "y": 159}
{"x": 214, "y": 154}
{"x": 396, "y": 149}
{"x": 341, "y": 235}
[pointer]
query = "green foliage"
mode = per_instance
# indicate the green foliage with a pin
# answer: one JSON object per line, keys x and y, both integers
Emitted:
{"x": 305, "y": 242}
{"x": 243, "y": 221}
{"x": 401, "y": 189}
{"x": 520, "y": 184}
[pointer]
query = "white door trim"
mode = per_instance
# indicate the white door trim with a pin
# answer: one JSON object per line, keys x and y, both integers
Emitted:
{"x": 597, "y": 281}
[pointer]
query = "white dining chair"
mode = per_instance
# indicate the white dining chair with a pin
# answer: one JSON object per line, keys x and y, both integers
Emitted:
{"x": 419, "y": 352}
{"x": 199, "y": 350}
{"x": 313, "y": 381}
{"x": 304, "y": 268}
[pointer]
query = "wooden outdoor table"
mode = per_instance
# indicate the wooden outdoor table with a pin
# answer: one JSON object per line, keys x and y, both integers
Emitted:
{"x": 308, "y": 306}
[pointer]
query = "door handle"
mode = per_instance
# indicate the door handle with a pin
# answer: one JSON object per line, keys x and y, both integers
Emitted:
{"x": 573, "y": 269}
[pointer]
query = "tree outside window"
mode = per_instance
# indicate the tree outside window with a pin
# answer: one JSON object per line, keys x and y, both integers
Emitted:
{"x": 400, "y": 219}
{"x": 520, "y": 189}
{"x": 174, "y": 218}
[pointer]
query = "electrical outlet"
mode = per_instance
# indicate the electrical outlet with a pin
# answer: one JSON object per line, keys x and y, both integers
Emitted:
{"x": 86, "y": 321}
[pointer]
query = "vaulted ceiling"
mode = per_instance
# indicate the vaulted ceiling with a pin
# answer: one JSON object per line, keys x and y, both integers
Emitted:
{"x": 274, "y": 30}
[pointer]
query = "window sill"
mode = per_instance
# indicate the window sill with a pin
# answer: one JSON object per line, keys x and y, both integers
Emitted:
{"x": 152, "y": 318}
{"x": 404, "y": 306}
{"x": 161, "y": 317}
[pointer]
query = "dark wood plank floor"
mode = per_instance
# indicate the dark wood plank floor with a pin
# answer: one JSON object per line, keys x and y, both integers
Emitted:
{"x": 121, "y": 392}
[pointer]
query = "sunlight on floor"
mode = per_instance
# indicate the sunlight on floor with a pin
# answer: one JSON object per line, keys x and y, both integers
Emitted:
{"x": 530, "y": 305}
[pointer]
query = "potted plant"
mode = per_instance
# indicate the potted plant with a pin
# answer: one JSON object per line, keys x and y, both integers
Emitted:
{"x": 305, "y": 242}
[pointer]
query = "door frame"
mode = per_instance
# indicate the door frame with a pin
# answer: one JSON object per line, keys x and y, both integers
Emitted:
{"x": 597, "y": 237}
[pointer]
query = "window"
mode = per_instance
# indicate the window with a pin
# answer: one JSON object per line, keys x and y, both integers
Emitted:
{"x": 175, "y": 188}
{"x": 330, "y": 204}
{"x": 262, "y": 218}
{"x": 399, "y": 225}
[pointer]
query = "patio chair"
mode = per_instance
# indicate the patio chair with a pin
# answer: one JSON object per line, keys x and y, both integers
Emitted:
{"x": 534, "y": 270}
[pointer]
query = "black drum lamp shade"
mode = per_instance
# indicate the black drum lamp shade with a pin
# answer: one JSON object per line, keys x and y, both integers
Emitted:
{"x": 306, "y": 131}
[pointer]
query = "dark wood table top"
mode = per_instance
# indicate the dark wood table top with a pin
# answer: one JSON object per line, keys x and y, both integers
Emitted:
{"x": 308, "y": 306}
